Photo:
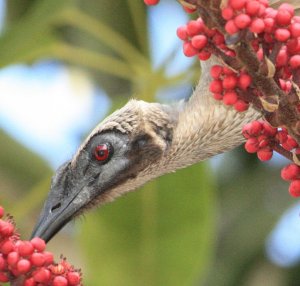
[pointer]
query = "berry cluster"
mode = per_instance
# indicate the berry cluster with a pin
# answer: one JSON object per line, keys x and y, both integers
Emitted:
{"x": 28, "y": 262}
{"x": 262, "y": 138}
{"x": 199, "y": 40}
{"x": 226, "y": 85}
{"x": 271, "y": 26}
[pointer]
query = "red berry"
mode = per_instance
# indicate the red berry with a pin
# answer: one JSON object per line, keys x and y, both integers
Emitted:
{"x": 295, "y": 61}
{"x": 282, "y": 35}
{"x": 218, "y": 39}
{"x": 42, "y": 275}
{"x": 73, "y": 278}
{"x": 194, "y": 27}
{"x": 282, "y": 58}
{"x": 241, "y": 105}
{"x": 189, "y": 50}
{"x": 230, "y": 97}
{"x": 294, "y": 188}
{"x": 293, "y": 46}
{"x": 252, "y": 8}
{"x": 242, "y": 21}
{"x": 270, "y": 13}
{"x": 231, "y": 27}
{"x": 257, "y": 26}
{"x": 227, "y": 13}
{"x": 1, "y": 212}
{"x": 216, "y": 86}
{"x": 204, "y": 55}
{"x": 287, "y": 7}
{"x": 23, "y": 266}
{"x": 244, "y": 81}
{"x": 281, "y": 136}
{"x": 283, "y": 17}
{"x": 295, "y": 30}
{"x": 290, "y": 172}
{"x": 228, "y": 71}
{"x": 6, "y": 228}
{"x": 7, "y": 247}
{"x": 29, "y": 282}
{"x": 182, "y": 33}
{"x": 25, "y": 248}
{"x": 38, "y": 259}
{"x": 3, "y": 277}
{"x": 264, "y": 154}
{"x": 60, "y": 281}
{"x": 229, "y": 82}
{"x": 268, "y": 130}
{"x": 38, "y": 243}
{"x": 252, "y": 145}
{"x": 12, "y": 258}
{"x": 237, "y": 4}
{"x": 263, "y": 141}
{"x": 215, "y": 71}
{"x": 151, "y": 2}
{"x": 269, "y": 26}
{"x": 199, "y": 41}
{"x": 290, "y": 143}
{"x": 252, "y": 129}
{"x": 48, "y": 257}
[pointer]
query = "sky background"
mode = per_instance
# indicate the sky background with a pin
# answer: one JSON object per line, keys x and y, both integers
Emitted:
{"x": 48, "y": 107}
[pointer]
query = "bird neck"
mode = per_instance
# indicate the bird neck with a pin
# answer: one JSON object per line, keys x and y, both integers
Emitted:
{"x": 205, "y": 127}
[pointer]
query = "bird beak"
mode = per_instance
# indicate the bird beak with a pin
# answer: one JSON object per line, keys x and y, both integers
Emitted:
{"x": 63, "y": 203}
{"x": 54, "y": 216}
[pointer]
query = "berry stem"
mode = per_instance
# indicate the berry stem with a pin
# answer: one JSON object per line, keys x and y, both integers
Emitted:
{"x": 279, "y": 149}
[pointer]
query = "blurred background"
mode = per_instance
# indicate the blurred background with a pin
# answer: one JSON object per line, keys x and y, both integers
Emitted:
{"x": 65, "y": 65}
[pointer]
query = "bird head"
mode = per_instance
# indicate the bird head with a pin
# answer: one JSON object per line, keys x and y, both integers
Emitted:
{"x": 118, "y": 156}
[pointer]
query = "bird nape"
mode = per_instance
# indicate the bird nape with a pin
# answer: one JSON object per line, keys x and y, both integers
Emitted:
{"x": 137, "y": 143}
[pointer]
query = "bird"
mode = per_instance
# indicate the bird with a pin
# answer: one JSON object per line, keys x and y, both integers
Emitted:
{"x": 138, "y": 143}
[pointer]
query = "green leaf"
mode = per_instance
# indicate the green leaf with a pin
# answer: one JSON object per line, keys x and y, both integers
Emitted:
{"x": 33, "y": 33}
{"x": 160, "y": 235}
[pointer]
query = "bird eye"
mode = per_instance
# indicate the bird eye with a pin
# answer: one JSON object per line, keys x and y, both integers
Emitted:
{"x": 102, "y": 152}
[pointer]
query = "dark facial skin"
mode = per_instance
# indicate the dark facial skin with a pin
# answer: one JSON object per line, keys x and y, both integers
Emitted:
{"x": 77, "y": 185}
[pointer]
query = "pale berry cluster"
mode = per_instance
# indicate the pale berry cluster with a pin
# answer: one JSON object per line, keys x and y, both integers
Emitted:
{"x": 271, "y": 26}
{"x": 199, "y": 40}
{"x": 28, "y": 262}
{"x": 226, "y": 85}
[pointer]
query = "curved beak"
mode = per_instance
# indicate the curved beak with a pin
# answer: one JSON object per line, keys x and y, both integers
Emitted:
{"x": 54, "y": 216}
{"x": 65, "y": 199}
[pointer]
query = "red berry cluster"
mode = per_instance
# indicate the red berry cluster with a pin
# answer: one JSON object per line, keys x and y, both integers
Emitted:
{"x": 199, "y": 39}
{"x": 270, "y": 25}
{"x": 227, "y": 83}
{"x": 261, "y": 137}
{"x": 28, "y": 261}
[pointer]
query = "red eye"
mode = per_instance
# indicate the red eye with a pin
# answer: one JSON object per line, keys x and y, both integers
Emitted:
{"x": 101, "y": 152}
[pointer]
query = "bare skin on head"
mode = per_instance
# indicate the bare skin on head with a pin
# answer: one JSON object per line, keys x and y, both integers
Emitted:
{"x": 138, "y": 143}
